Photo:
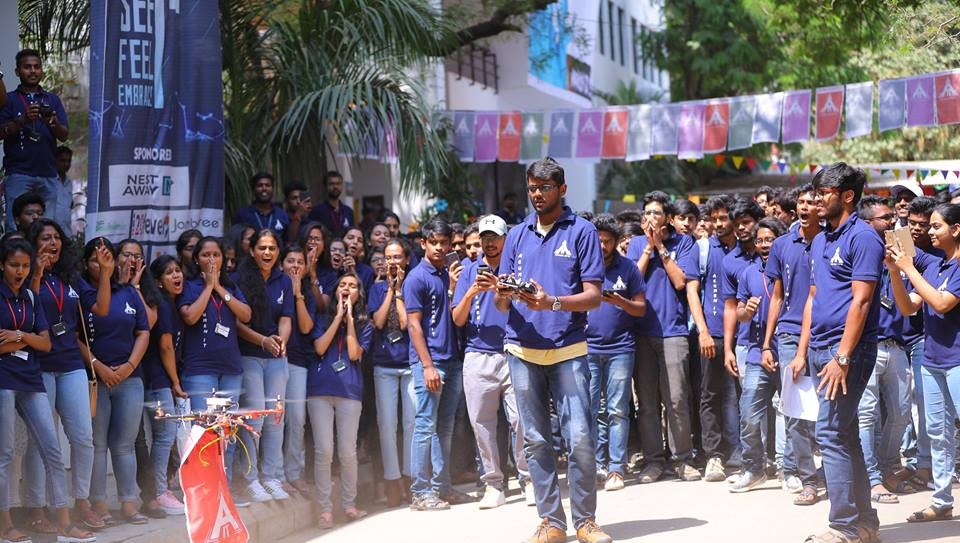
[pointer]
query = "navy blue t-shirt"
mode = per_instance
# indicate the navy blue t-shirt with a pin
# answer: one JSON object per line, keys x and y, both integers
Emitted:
{"x": 941, "y": 346}
{"x": 21, "y": 154}
{"x": 425, "y": 291}
{"x": 733, "y": 265}
{"x": 113, "y": 335}
{"x": 60, "y": 304}
{"x": 913, "y": 325}
{"x": 712, "y": 278}
{"x": 485, "y": 324}
{"x": 609, "y": 328}
{"x": 891, "y": 320}
{"x": 279, "y": 291}
{"x": 205, "y": 351}
{"x": 789, "y": 261}
{"x": 337, "y": 222}
{"x": 754, "y": 283}
{"x": 19, "y": 370}
{"x": 300, "y": 351}
{"x": 168, "y": 322}
{"x": 277, "y": 220}
{"x": 384, "y": 352}
{"x": 322, "y": 380}
{"x": 667, "y": 312}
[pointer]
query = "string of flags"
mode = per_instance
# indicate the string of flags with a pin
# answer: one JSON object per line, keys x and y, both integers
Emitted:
{"x": 759, "y": 166}
{"x": 692, "y": 129}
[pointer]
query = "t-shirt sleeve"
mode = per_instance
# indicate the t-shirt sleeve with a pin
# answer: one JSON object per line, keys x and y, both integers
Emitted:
{"x": 237, "y": 293}
{"x": 376, "y": 297}
{"x": 140, "y": 321}
{"x": 772, "y": 269}
{"x": 743, "y": 286}
{"x": 466, "y": 279}
{"x": 635, "y": 248}
{"x": 590, "y": 255}
{"x": 189, "y": 294}
{"x": 39, "y": 316}
{"x": 508, "y": 254}
{"x": 953, "y": 283}
{"x": 414, "y": 292}
{"x": 88, "y": 294}
{"x": 866, "y": 256}
{"x": 688, "y": 257}
{"x": 635, "y": 282}
{"x": 164, "y": 324}
{"x": 7, "y": 113}
{"x": 728, "y": 286}
{"x": 57, "y": 106}
{"x": 287, "y": 308}
{"x": 365, "y": 335}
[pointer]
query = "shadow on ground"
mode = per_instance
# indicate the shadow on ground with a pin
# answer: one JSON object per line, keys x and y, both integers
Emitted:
{"x": 625, "y": 531}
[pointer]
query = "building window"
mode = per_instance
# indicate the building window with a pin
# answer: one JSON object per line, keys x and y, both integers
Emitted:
{"x": 600, "y": 27}
{"x": 475, "y": 63}
{"x": 633, "y": 40}
{"x": 620, "y": 26}
{"x": 613, "y": 45}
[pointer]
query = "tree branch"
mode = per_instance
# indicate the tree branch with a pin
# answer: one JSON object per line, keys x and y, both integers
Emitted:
{"x": 496, "y": 24}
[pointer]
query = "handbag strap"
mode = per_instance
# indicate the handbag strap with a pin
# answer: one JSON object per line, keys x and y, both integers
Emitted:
{"x": 86, "y": 340}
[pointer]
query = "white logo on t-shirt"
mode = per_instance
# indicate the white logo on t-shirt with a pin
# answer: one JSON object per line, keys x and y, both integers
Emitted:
{"x": 72, "y": 293}
{"x": 943, "y": 287}
{"x": 836, "y": 260}
{"x": 619, "y": 285}
{"x": 562, "y": 250}
{"x": 280, "y": 299}
{"x": 128, "y": 309}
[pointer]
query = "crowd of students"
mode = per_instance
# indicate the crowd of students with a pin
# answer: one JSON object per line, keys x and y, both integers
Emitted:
{"x": 558, "y": 334}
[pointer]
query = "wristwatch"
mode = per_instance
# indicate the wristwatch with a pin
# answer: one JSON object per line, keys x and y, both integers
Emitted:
{"x": 843, "y": 360}
{"x": 227, "y": 297}
{"x": 556, "y": 303}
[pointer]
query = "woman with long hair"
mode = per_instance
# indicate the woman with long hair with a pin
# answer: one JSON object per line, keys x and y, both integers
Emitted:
{"x": 334, "y": 395}
{"x": 161, "y": 381}
{"x": 23, "y": 331}
{"x": 64, "y": 372}
{"x": 323, "y": 279}
{"x": 117, "y": 342}
{"x": 355, "y": 260}
{"x": 185, "y": 245}
{"x": 936, "y": 292}
{"x": 264, "y": 358}
{"x": 300, "y": 354}
{"x": 392, "y": 377}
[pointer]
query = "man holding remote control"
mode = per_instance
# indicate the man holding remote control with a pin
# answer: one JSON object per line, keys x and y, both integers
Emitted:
{"x": 546, "y": 345}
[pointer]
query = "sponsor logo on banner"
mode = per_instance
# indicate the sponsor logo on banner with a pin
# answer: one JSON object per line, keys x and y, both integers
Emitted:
{"x": 157, "y": 225}
{"x": 149, "y": 184}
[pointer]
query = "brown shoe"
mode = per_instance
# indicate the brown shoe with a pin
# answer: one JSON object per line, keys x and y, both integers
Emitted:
{"x": 547, "y": 533}
{"x": 590, "y": 532}
{"x": 394, "y": 493}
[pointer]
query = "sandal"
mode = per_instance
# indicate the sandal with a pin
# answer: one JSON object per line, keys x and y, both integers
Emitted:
{"x": 921, "y": 479}
{"x": 109, "y": 521}
{"x": 325, "y": 522}
{"x": 898, "y": 483}
{"x": 832, "y": 537}
{"x": 931, "y": 514}
{"x": 353, "y": 513}
{"x": 137, "y": 519}
{"x": 9, "y": 536}
{"x": 807, "y": 496}
{"x": 884, "y": 497}
{"x": 90, "y": 519}
{"x": 75, "y": 534}
{"x": 869, "y": 535}
{"x": 43, "y": 526}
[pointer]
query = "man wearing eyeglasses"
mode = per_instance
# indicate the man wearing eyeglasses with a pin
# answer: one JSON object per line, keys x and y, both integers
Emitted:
{"x": 558, "y": 254}
{"x": 890, "y": 380}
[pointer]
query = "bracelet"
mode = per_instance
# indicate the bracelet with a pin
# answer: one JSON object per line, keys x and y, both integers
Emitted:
{"x": 766, "y": 349}
{"x": 19, "y": 336}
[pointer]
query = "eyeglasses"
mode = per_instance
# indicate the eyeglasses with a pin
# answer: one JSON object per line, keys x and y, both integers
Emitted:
{"x": 653, "y": 213}
{"x": 886, "y": 217}
{"x": 487, "y": 238}
{"x": 544, "y": 189}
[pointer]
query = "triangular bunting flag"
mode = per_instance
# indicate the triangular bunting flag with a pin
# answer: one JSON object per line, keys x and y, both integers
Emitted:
{"x": 737, "y": 161}
{"x": 813, "y": 168}
{"x": 782, "y": 166}
{"x": 719, "y": 159}
{"x": 910, "y": 173}
{"x": 751, "y": 163}
{"x": 793, "y": 170}
{"x": 884, "y": 172}
{"x": 801, "y": 167}
{"x": 924, "y": 174}
{"x": 896, "y": 173}
{"x": 956, "y": 174}
{"x": 765, "y": 165}
{"x": 629, "y": 198}
{"x": 944, "y": 174}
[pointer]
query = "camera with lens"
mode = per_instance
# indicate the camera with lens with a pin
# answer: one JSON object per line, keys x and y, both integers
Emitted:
{"x": 514, "y": 284}
{"x": 46, "y": 111}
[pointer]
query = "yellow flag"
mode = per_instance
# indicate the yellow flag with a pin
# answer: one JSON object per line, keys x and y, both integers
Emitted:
{"x": 737, "y": 161}
{"x": 629, "y": 198}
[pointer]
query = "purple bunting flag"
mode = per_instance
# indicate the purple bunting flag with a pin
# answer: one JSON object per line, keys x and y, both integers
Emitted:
{"x": 463, "y": 135}
{"x": 664, "y": 130}
{"x": 589, "y": 133}
{"x": 891, "y": 99}
{"x": 858, "y": 108}
{"x": 766, "y": 121}
{"x": 796, "y": 116}
{"x": 690, "y": 130}
{"x": 561, "y": 134}
{"x": 486, "y": 136}
{"x": 920, "y": 101}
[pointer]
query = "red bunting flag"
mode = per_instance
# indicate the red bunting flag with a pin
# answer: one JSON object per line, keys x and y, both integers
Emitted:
{"x": 813, "y": 168}
{"x": 615, "y": 124}
{"x": 910, "y": 174}
{"x": 947, "y": 87}
{"x": 719, "y": 159}
{"x": 829, "y": 112}
{"x": 509, "y": 136}
{"x": 716, "y": 119}
{"x": 751, "y": 163}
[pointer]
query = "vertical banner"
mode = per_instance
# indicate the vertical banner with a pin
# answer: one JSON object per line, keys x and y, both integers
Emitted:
{"x": 210, "y": 512}
{"x": 742, "y": 110}
{"x": 716, "y": 121}
{"x": 638, "y": 142}
{"x": 947, "y": 87}
{"x": 690, "y": 131}
{"x": 156, "y": 122}
{"x": 485, "y": 146}
{"x": 858, "y": 109}
{"x": 589, "y": 133}
{"x": 892, "y": 102}
{"x": 463, "y": 134}
{"x": 509, "y": 135}
{"x": 920, "y": 101}
{"x": 561, "y": 134}
{"x": 766, "y": 121}
{"x": 531, "y": 142}
{"x": 829, "y": 104}
{"x": 664, "y": 130}
{"x": 615, "y": 124}
{"x": 796, "y": 116}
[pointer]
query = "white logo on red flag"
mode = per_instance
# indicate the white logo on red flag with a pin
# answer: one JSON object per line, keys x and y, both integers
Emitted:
{"x": 509, "y": 144}
{"x": 948, "y": 99}
{"x": 828, "y": 112}
{"x": 715, "y": 130}
{"x": 615, "y": 134}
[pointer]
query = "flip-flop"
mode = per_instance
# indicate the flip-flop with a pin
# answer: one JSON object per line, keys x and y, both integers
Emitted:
{"x": 931, "y": 514}
{"x": 325, "y": 522}
{"x": 136, "y": 519}
{"x": 74, "y": 534}
{"x": 43, "y": 526}
{"x": 353, "y": 513}
{"x": 807, "y": 496}
{"x": 884, "y": 497}
{"x": 24, "y": 538}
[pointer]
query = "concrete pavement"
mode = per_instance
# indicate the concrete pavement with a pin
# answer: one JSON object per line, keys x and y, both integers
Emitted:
{"x": 664, "y": 512}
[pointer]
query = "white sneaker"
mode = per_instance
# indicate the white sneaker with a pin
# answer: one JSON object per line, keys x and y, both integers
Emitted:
{"x": 170, "y": 504}
{"x": 714, "y": 472}
{"x": 614, "y": 482}
{"x": 793, "y": 484}
{"x": 492, "y": 498}
{"x": 257, "y": 493}
{"x": 528, "y": 494}
{"x": 747, "y": 482}
{"x": 275, "y": 489}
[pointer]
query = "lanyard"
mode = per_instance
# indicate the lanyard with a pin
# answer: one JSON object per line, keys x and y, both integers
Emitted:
{"x": 766, "y": 288}
{"x": 217, "y": 306}
{"x": 58, "y": 301}
{"x": 23, "y": 310}
{"x": 256, "y": 213}
{"x": 340, "y": 346}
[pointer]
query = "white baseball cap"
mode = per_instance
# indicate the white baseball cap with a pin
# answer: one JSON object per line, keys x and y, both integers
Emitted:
{"x": 913, "y": 188}
{"x": 493, "y": 223}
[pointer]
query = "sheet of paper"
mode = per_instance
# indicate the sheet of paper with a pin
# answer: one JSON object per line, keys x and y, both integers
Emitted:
{"x": 799, "y": 399}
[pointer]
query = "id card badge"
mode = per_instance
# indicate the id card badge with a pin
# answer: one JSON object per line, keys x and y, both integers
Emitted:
{"x": 394, "y": 336}
{"x": 22, "y": 355}
{"x": 339, "y": 365}
{"x": 886, "y": 302}
{"x": 222, "y": 330}
{"x": 58, "y": 329}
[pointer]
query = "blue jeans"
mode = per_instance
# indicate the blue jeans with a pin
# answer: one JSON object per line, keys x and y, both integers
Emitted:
{"x": 890, "y": 382}
{"x": 799, "y": 439}
{"x": 941, "y": 389}
{"x": 119, "y": 413}
{"x": 916, "y": 441}
{"x": 201, "y": 387}
{"x": 394, "y": 387}
{"x": 838, "y": 434}
{"x": 34, "y": 409}
{"x": 759, "y": 386}
{"x": 568, "y": 384}
{"x": 17, "y": 184}
{"x": 69, "y": 397}
{"x": 610, "y": 380}
{"x": 164, "y": 433}
{"x": 264, "y": 380}
{"x": 433, "y": 427}
{"x": 295, "y": 420}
